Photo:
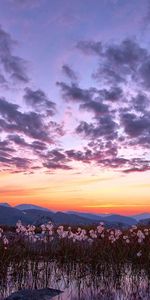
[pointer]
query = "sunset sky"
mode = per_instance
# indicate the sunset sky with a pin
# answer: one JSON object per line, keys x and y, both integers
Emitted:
{"x": 75, "y": 104}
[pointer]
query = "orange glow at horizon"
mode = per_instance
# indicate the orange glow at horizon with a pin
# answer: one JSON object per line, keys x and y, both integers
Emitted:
{"x": 105, "y": 192}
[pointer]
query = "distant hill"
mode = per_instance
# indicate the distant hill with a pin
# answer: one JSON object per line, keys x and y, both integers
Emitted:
{"x": 10, "y": 216}
{"x": 71, "y": 219}
{"x": 141, "y": 216}
{"x": 30, "y": 206}
{"x": 108, "y": 218}
{"x": 88, "y": 215}
{"x": 120, "y": 219}
{"x": 34, "y": 214}
{"x": 39, "y": 217}
{"x": 145, "y": 221}
{"x": 5, "y": 204}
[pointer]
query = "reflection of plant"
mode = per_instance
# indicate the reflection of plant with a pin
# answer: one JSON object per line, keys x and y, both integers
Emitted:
{"x": 77, "y": 280}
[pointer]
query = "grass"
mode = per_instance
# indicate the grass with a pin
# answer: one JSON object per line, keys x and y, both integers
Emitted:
{"x": 64, "y": 250}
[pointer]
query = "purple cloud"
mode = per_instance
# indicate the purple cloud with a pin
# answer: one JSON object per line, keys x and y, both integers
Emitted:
{"x": 13, "y": 66}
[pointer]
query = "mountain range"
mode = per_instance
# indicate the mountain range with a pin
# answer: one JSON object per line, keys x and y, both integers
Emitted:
{"x": 30, "y": 206}
{"x": 37, "y": 215}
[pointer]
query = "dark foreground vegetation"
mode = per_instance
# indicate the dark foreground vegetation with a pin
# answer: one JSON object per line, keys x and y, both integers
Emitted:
{"x": 96, "y": 258}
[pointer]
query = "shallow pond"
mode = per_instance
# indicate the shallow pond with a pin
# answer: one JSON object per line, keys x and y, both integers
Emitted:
{"x": 77, "y": 282}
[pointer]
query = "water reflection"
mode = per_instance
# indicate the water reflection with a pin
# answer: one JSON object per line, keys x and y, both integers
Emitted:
{"x": 77, "y": 282}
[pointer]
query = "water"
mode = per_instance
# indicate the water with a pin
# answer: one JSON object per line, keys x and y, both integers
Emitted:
{"x": 77, "y": 282}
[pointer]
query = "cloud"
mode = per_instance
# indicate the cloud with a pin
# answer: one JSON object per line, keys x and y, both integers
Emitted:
{"x": 74, "y": 93}
{"x": 31, "y": 123}
{"x": 4, "y": 146}
{"x": 140, "y": 102}
{"x": 69, "y": 73}
{"x": 114, "y": 131}
{"x": 90, "y": 99}
{"x": 119, "y": 63}
{"x": 28, "y": 133}
{"x": 17, "y": 139}
{"x": 56, "y": 159}
{"x": 105, "y": 155}
{"x": 104, "y": 127}
{"x": 140, "y": 169}
{"x": 135, "y": 125}
{"x": 90, "y": 47}
{"x": 13, "y": 163}
{"x": 38, "y": 146}
{"x": 98, "y": 108}
{"x": 127, "y": 53}
{"x": 84, "y": 156}
{"x": 119, "y": 106}
{"x": 56, "y": 166}
{"x": 38, "y": 153}
{"x": 8, "y": 110}
{"x": 38, "y": 100}
{"x": 113, "y": 94}
{"x": 144, "y": 72}
{"x": 14, "y": 67}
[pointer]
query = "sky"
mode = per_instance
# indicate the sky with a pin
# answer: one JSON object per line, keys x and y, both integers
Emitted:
{"x": 75, "y": 104}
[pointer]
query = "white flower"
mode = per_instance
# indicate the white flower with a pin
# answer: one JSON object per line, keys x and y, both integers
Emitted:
{"x": 100, "y": 228}
{"x": 127, "y": 241}
{"x": 139, "y": 253}
{"x": 134, "y": 226}
{"x": 5, "y": 241}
